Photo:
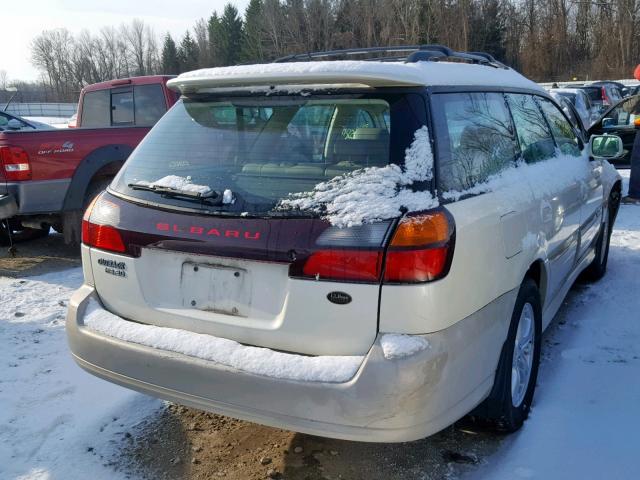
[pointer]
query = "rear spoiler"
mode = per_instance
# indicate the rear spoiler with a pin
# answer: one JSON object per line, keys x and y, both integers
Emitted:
{"x": 362, "y": 74}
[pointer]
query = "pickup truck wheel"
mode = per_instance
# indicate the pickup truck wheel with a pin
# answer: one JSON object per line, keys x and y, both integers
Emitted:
{"x": 509, "y": 402}
{"x": 72, "y": 222}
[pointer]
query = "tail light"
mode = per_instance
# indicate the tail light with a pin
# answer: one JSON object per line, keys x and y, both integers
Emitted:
{"x": 98, "y": 228}
{"x": 420, "y": 250}
{"x": 15, "y": 163}
{"x": 605, "y": 98}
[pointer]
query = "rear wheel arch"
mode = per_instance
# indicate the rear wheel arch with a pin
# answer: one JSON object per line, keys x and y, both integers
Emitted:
{"x": 538, "y": 273}
{"x": 614, "y": 198}
{"x": 100, "y": 164}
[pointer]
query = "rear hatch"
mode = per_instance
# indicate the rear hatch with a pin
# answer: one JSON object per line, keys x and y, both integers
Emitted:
{"x": 192, "y": 233}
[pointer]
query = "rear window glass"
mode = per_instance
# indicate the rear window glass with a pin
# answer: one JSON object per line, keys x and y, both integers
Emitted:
{"x": 149, "y": 104}
{"x": 594, "y": 93}
{"x": 96, "y": 109}
{"x": 475, "y": 138}
{"x": 122, "y": 107}
{"x": 263, "y": 149}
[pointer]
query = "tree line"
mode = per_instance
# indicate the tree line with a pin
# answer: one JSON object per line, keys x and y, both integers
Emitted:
{"x": 547, "y": 40}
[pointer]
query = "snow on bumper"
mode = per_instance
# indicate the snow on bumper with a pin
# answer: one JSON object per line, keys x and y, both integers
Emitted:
{"x": 385, "y": 399}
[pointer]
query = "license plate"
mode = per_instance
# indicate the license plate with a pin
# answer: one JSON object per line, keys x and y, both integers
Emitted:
{"x": 216, "y": 288}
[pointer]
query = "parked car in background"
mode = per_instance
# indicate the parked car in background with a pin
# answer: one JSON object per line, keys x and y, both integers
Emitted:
{"x": 48, "y": 176}
{"x": 14, "y": 123}
{"x": 621, "y": 88}
{"x": 633, "y": 90}
{"x": 623, "y": 120}
{"x": 366, "y": 252}
{"x": 602, "y": 96}
{"x": 580, "y": 101}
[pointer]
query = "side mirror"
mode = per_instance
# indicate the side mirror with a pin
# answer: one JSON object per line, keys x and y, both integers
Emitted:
{"x": 605, "y": 146}
{"x": 608, "y": 122}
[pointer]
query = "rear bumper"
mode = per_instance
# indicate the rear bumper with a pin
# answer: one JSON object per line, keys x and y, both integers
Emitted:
{"x": 388, "y": 400}
{"x": 8, "y": 206}
{"x": 41, "y": 196}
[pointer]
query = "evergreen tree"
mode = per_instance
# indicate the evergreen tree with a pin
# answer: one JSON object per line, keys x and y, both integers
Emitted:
{"x": 188, "y": 53}
{"x": 214, "y": 40}
{"x": 251, "y": 46}
{"x": 169, "y": 60}
{"x": 228, "y": 37}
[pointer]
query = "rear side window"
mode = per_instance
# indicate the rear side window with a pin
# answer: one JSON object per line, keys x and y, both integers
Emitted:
{"x": 562, "y": 130}
{"x": 149, "y": 104}
{"x": 475, "y": 138}
{"x": 536, "y": 141}
{"x": 122, "y": 107}
{"x": 96, "y": 109}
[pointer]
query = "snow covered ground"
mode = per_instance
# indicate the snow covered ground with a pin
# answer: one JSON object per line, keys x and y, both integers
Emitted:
{"x": 58, "y": 422}
{"x": 584, "y": 422}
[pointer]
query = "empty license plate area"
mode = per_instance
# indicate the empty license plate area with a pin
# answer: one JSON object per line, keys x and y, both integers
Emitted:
{"x": 216, "y": 288}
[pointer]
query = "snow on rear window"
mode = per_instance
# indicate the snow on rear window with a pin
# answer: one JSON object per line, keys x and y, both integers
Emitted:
{"x": 176, "y": 182}
{"x": 375, "y": 193}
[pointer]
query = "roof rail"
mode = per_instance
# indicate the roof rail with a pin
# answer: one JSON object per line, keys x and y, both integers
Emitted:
{"x": 412, "y": 54}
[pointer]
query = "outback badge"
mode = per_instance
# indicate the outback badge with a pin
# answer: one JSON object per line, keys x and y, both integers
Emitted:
{"x": 339, "y": 298}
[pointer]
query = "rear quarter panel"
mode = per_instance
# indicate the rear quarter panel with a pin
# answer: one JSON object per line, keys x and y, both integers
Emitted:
{"x": 56, "y": 154}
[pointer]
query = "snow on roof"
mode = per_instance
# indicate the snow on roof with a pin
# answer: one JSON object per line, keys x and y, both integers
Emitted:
{"x": 565, "y": 90}
{"x": 366, "y": 73}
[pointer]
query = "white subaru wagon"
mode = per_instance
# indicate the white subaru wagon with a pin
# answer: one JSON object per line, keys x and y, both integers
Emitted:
{"x": 363, "y": 249}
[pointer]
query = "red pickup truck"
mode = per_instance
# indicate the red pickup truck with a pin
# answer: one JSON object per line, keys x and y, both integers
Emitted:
{"x": 47, "y": 177}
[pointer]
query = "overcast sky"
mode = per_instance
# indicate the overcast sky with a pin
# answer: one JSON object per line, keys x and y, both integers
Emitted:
{"x": 23, "y": 20}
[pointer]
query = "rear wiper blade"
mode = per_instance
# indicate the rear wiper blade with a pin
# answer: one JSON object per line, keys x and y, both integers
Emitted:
{"x": 172, "y": 192}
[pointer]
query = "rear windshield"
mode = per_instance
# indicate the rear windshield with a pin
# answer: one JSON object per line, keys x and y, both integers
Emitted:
{"x": 569, "y": 96}
{"x": 595, "y": 93}
{"x": 261, "y": 149}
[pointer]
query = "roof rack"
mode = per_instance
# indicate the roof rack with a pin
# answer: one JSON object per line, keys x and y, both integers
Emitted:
{"x": 412, "y": 54}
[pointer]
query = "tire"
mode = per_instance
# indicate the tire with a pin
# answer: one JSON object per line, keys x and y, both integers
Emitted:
{"x": 4, "y": 234}
{"x": 598, "y": 267}
{"x": 509, "y": 402}
{"x": 72, "y": 222}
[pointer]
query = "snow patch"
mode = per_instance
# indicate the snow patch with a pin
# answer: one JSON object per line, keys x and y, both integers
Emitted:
{"x": 176, "y": 182}
{"x": 350, "y": 71}
{"x": 254, "y": 360}
{"x": 544, "y": 178}
{"x": 227, "y": 197}
{"x": 395, "y": 345}
{"x": 375, "y": 193}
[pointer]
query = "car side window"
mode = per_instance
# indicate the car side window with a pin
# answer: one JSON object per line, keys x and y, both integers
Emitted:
{"x": 624, "y": 115}
{"x": 96, "y": 109}
{"x": 563, "y": 132}
{"x": 536, "y": 140}
{"x": 475, "y": 138}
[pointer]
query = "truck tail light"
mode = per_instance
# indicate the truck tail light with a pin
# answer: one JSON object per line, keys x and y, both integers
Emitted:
{"x": 420, "y": 250}
{"x": 15, "y": 163}
{"x": 98, "y": 230}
